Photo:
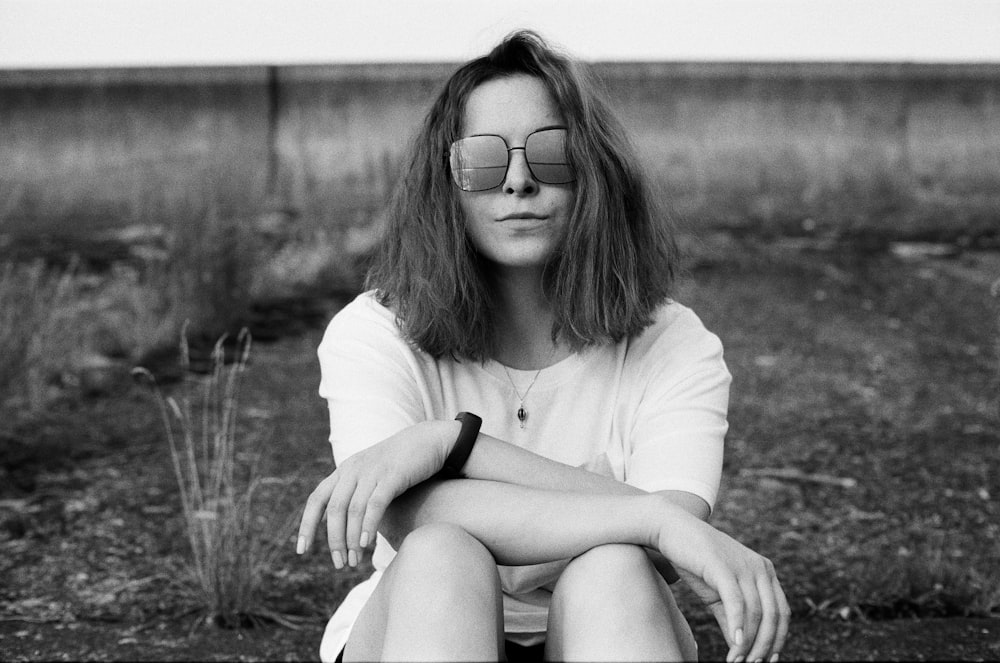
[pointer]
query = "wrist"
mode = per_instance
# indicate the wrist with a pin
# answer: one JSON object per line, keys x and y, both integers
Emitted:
{"x": 454, "y": 464}
{"x": 443, "y": 435}
{"x": 663, "y": 518}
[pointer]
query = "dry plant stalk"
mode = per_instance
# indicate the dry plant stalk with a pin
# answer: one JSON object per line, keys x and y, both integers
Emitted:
{"x": 34, "y": 303}
{"x": 229, "y": 548}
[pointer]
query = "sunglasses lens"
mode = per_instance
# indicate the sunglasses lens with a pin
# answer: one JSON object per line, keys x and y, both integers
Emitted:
{"x": 478, "y": 162}
{"x": 546, "y": 154}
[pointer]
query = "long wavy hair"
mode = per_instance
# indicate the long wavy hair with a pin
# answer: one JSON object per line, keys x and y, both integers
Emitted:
{"x": 617, "y": 261}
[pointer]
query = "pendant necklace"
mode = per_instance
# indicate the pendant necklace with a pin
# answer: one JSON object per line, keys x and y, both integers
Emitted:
{"x": 522, "y": 413}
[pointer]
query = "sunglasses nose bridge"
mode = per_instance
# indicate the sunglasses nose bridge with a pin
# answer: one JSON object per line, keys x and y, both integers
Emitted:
{"x": 519, "y": 176}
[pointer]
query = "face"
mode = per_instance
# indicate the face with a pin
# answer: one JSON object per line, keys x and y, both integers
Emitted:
{"x": 519, "y": 223}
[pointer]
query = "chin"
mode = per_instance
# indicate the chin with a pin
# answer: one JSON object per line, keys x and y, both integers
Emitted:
{"x": 520, "y": 261}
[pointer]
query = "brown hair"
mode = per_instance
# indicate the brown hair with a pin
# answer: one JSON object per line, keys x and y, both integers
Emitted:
{"x": 617, "y": 262}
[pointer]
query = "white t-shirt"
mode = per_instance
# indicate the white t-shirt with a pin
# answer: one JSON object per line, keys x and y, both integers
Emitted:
{"x": 649, "y": 411}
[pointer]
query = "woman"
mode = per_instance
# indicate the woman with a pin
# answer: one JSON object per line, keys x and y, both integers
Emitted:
{"x": 525, "y": 278}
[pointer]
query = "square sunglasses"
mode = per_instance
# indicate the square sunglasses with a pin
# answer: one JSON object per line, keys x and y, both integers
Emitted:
{"x": 480, "y": 162}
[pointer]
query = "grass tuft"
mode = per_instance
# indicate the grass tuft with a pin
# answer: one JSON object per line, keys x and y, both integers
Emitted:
{"x": 232, "y": 543}
{"x": 35, "y": 303}
{"x": 928, "y": 584}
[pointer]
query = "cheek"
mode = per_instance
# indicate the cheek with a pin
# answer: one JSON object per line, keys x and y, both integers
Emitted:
{"x": 474, "y": 211}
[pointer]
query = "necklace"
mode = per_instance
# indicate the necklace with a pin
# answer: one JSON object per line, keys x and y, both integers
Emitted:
{"x": 522, "y": 412}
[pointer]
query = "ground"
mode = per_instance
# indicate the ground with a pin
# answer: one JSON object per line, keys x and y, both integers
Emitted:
{"x": 862, "y": 458}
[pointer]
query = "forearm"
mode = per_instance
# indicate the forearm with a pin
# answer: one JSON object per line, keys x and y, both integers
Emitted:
{"x": 495, "y": 460}
{"x": 523, "y": 525}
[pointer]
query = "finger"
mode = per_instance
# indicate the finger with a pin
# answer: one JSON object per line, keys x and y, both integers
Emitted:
{"x": 355, "y": 516}
{"x": 336, "y": 516}
{"x": 313, "y": 512}
{"x": 732, "y": 602}
{"x": 766, "y": 630}
{"x": 719, "y": 612}
{"x": 378, "y": 502}
{"x": 751, "y": 616}
{"x": 784, "y": 617}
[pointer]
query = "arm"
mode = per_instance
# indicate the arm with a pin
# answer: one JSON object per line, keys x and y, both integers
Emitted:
{"x": 496, "y": 460}
{"x": 369, "y": 484}
{"x": 522, "y": 525}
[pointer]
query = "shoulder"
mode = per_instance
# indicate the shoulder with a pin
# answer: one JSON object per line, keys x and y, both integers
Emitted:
{"x": 674, "y": 326}
{"x": 363, "y": 322}
{"x": 677, "y": 342}
{"x": 365, "y": 312}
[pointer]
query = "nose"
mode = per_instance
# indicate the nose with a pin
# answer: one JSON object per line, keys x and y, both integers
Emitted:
{"x": 519, "y": 179}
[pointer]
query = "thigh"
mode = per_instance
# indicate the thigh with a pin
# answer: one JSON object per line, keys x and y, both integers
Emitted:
{"x": 437, "y": 565}
{"x": 365, "y": 640}
{"x": 614, "y": 595}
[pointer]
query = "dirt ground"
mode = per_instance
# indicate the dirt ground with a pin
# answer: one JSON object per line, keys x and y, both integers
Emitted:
{"x": 863, "y": 458}
{"x": 810, "y": 640}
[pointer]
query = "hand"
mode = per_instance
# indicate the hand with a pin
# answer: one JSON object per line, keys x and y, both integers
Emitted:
{"x": 738, "y": 585}
{"x": 356, "y": 495}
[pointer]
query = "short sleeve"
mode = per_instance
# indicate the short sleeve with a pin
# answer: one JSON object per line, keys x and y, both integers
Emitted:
{"x": 369, "y": 378}
{"x": 679, "y": 425}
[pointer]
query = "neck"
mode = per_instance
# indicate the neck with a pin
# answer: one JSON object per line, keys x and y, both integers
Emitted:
{"x": 524, "y": 321}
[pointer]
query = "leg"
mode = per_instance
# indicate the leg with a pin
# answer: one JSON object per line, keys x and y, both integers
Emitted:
{"x": 611, "y": 604}
{"x": 439, "y": 599}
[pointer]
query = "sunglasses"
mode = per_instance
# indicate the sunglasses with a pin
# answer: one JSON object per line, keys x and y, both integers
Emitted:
{"x": 479, "y": 163}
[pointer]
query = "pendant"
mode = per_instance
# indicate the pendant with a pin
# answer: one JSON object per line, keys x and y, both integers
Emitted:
{"x": 522, "y": 415}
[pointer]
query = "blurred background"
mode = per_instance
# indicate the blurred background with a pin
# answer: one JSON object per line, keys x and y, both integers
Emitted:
{"x": 271, "y": 131}
{"x": 224, "y": 153}
{"x": 833, "y": 167}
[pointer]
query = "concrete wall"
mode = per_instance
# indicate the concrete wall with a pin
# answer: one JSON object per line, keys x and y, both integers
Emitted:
{"x": 894, "y": 149}
{"x": 90, "y": 149}
{"x": 899, "y": 150}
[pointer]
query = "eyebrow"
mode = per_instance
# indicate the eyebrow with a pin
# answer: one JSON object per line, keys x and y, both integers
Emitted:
{"x": 533, "y": 131}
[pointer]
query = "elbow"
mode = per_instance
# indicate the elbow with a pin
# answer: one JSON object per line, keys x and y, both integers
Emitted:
{"x": 394, "y": 526}
{"x": 403, "y": 515}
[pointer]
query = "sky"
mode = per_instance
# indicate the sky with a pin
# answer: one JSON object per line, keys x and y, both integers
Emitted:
{"x": 97, "y": 33}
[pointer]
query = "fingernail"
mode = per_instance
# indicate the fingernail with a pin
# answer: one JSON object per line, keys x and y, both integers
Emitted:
{"x": 738, "y": 659}
{"x": 300, "y": 546}
{"x": 364, "y": 539}
{"x": 338, "y": 559}
{"x": 774, "y": 659}
{"x": 352, "y": 558}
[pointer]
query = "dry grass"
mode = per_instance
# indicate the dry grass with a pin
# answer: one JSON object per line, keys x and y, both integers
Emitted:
{"x": 232, "y": 543}
{"x": 36, "y": 306}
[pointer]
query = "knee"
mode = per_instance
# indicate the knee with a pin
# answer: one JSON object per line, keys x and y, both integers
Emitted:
{"x": 607, "y": 571}
{"x": 615, "y": 560}
{"x": 446, "y": 555}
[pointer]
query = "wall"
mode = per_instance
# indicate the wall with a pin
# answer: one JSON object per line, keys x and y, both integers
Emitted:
{"x": 899, "y": 150}
{"x": 888, "y": 149}
{"x": 91, "y": 149}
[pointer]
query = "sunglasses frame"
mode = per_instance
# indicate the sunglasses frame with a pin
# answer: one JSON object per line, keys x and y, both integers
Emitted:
{"x": 509, "y": 149}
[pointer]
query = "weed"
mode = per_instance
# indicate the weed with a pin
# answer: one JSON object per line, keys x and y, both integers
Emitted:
{"x": 231, "y": 542}
{"x": 35, "y": 305}
{"x": 927, "y": 583}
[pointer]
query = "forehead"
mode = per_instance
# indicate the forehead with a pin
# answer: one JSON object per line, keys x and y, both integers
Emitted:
{"x": 511, "y": 107}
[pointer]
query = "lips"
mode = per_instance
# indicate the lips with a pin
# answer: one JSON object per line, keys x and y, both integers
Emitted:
{"x": 523, "y": 216}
